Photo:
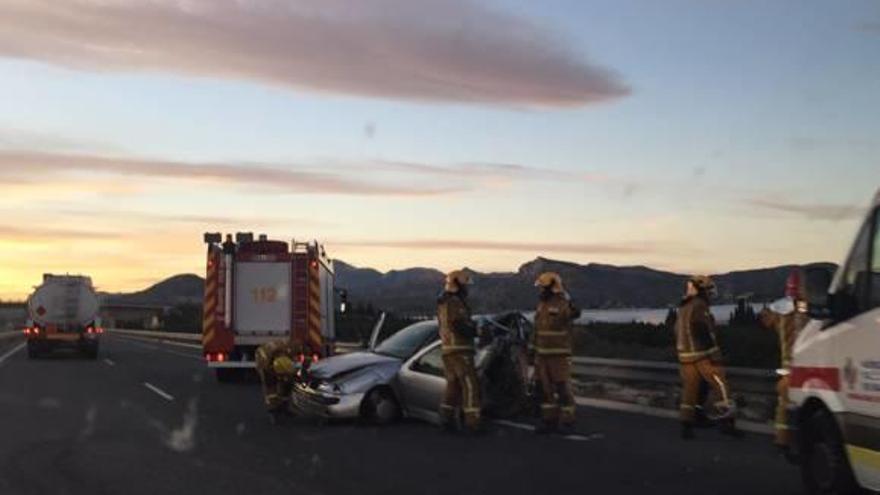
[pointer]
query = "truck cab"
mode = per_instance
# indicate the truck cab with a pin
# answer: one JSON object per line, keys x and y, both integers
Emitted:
{"x": 835, "y": 374}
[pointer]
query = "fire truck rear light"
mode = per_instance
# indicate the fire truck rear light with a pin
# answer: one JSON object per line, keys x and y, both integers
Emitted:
{"x": 221, "y": 357}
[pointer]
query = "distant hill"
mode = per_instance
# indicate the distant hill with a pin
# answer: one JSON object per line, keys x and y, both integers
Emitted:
{"x": 414, "y": 290}
{"x": 179, "y": 289}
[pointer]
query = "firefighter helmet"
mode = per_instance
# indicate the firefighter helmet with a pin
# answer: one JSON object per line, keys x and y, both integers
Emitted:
{"x": 283, "y": 365}
{"x": 551, "y": 281}
{"x": 457, "y": 279}
{"x": 703, "y": 283}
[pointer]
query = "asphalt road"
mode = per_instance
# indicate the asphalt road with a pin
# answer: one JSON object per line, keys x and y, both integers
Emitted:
{"x": 149, "y": 418}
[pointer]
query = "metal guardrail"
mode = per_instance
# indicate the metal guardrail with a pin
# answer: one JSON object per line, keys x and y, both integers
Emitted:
{"x": 753, "y": 380}
{"x": 341, "y": 347}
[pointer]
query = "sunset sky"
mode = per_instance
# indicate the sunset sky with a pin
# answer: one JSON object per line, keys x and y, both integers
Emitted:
{"x": 687, "y": 135}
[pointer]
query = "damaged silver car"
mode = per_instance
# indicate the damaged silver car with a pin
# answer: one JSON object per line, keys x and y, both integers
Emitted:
{"x": 403, "y": 375}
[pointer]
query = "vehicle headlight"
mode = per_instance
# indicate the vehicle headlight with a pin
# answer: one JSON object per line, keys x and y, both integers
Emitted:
{"x": 328, "y": 388}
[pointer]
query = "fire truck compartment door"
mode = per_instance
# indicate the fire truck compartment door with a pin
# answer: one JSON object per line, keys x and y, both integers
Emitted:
{"x": 262, "y": 297}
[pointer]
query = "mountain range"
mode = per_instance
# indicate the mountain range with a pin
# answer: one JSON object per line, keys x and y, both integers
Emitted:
{"x": 414, "y": 290}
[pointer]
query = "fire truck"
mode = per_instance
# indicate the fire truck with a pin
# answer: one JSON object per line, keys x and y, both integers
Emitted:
{"x": 835, "y": 373}
{"x": 261, "y": 290}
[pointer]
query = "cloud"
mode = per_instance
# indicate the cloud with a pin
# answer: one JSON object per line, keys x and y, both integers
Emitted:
{"x": 486, "y": 245}
{"x": 14, "y": 165}
{"x": 872, "y": 27}
{"x": 25, "y": 234}
{"x": 163, "y": 219}
{"x": 423, "y": 50}
{"x": 813, "y": 211}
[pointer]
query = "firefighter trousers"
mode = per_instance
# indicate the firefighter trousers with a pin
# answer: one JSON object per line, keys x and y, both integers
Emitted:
{"x": 782, "y": 435}
{"x": 462, "y": 389}
{"x": 276, "y": 391}
{"x": 557, "y": 404}
{"x": 691, "y": 376}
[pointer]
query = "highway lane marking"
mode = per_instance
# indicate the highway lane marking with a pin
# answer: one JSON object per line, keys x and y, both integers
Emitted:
{"x": 161, "y": 393}
{"x": 157, "y": 345}
{"x": 109, "y": 362}
{"x": 527, "y": 427}
{"x": 12, "y": 351}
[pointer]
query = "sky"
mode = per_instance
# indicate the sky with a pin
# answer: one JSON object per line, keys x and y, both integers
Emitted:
{"x": 685, "y": 135}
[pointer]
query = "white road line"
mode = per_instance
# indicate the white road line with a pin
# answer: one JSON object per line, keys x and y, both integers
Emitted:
{"x": 527, "y": 427}
{"x": 109, "y": 362}
{"x": 155, "y": 345}
{"x": 12, "y": 351}
{"x": 161, "y": 393}
{"x": 512, "y": 424}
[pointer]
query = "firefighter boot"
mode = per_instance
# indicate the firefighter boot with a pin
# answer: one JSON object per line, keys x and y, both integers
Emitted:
{"x": 728, "y": 428}
{"x": 687, "y": 431}
{"x": 448, "y": 419}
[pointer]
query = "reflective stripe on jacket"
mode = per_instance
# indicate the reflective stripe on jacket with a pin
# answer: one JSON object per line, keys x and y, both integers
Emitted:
{"x": 554, "y": 320}
{"x": 695, "y": 331}
{"x": 457, "y": 330}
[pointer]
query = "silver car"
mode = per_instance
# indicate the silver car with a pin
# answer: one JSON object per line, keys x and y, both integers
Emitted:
{"x": 403, "y": 376}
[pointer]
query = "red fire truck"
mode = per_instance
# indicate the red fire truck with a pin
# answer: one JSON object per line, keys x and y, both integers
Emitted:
{"x": 262, "y": 290}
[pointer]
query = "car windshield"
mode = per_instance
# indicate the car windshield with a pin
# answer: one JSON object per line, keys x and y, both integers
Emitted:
{"x": 408, "y": 341}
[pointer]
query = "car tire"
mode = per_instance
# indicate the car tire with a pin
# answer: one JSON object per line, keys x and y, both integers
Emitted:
{"x": 380, "y": 407}
{"x": 32, "y": 352}
{"x": 825, "y": 468}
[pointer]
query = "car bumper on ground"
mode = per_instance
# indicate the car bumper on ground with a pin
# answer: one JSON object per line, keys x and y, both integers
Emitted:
{"x": 310, "y": 402}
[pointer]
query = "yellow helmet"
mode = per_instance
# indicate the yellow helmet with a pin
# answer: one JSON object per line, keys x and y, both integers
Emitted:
{"x": 283, "y": 365}
{"x": 550, "y": 280}
{"x": 703, "y": 283}
{"x": 457, "y": 279}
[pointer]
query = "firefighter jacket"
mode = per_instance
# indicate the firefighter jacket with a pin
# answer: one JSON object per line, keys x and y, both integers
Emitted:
{"x": 695, "y": 331}
{"x": 457, "y": 329}
{"x": 554, "y": 320}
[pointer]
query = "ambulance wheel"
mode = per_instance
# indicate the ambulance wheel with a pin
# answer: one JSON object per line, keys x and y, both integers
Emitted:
{"x": 380, "y": 407}
{"x": 825, "y": 468}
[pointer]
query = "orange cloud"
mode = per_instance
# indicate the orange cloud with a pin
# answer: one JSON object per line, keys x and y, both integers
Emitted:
{"x": 425, "y": 50}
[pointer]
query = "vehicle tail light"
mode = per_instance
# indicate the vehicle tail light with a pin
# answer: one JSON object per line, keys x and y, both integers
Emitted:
{"x": 315, "y": 358}
{"x": 90, "y": 330}
{"x": 27, "y": 331}
{"x": 216, "y": 358}
{"x": 301, "y": 358}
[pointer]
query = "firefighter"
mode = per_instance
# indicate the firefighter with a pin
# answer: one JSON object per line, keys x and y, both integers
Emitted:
{"x": 700, "y": 357}
{"x": 552, "y": 341}
{"x": 787, "y": 318}
{"x": 457, "y": 333}
{"x": 276, "y": 366}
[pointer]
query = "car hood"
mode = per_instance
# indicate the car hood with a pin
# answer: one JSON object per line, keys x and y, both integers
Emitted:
{"x": 346, "y": 363}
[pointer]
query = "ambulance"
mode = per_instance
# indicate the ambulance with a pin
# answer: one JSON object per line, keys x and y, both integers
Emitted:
{"x": 835, "y": 374}
{"x": 259, "y": 290}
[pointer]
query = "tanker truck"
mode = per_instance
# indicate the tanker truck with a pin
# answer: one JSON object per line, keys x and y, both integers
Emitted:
{"x": 63, "y": 313}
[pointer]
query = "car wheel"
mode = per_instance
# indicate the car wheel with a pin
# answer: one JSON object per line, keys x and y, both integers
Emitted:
{"x": 825, "y": 468}
{"x": 32, "y": 352}
{"x": 380, "y": 407}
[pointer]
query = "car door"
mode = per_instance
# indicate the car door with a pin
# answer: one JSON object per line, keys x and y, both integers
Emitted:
{"x": 855, "y": 307}
{"x": 422, "y": 382}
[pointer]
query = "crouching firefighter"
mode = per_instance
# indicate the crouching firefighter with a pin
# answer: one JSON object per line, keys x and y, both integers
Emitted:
{"x": 787, "y": 317}
{"x": 275, "y": 363}
{"x": 552, "y": 343}
{"x": 457, "y": 333}
{"x": 700, "y": 358}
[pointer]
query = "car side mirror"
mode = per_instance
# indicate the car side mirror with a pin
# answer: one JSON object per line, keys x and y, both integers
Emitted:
{"x": 818, "y": 282}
